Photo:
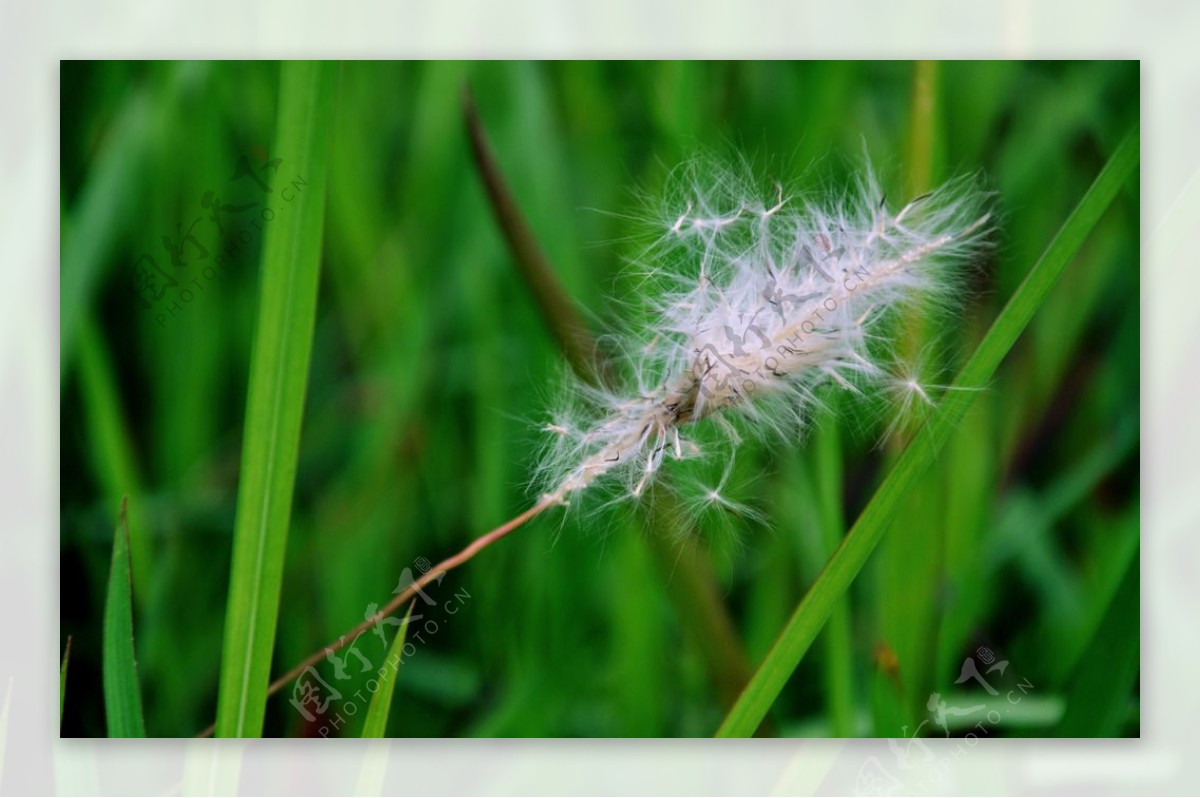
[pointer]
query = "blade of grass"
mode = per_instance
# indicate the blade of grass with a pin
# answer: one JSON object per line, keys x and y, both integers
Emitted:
{"x": 381, "y": 702}
{"x": 62, "y": 683}
{"x": 275, "y": 403}
{"x": 122, "y": 696}
{"x": 842, "y": 568}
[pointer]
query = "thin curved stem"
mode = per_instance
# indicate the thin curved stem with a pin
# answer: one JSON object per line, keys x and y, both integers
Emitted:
{"x": 450, "y": 563}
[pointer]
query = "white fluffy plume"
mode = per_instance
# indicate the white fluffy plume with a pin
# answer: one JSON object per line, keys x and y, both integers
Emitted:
{"x": 755, "y": 301}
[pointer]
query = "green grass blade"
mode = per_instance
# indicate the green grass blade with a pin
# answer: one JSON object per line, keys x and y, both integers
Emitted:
{"x": 62, "y": 681}
{"x": 841, "y": 570}
{"x": 122, "y": 695}
{"x": 275, "y": 405}
{"x": 381, "y": 702}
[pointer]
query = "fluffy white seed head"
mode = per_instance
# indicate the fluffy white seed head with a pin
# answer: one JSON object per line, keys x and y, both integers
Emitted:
{"x": 755, "y": 302}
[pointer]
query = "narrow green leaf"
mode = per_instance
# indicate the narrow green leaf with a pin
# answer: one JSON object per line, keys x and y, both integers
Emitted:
{"x": 793, "y": 642}
{"x": 381, "y": 702}
{"x": 275, "y": 404}
{"x": 62, "y": 681}
{"x": 122, "y": 696}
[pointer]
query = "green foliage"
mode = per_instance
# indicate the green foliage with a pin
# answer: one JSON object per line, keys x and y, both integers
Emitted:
{"x": 279, "y": 369}
{"x": 380, "y": 708}
{"x": 412, "y": 423}
{"x": 122, "y": 692}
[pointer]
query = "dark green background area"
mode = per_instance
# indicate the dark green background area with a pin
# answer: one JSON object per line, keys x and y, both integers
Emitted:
{"x": 432, "y": 368}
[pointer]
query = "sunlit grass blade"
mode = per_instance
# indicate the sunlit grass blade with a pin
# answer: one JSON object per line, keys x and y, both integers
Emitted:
{"x": 841, "y": 570}
{"x": 278, "y": 380}
{"x": 122, "y": 694}
{"x": 62, "y": 681}
{"x": 381, "y": 701}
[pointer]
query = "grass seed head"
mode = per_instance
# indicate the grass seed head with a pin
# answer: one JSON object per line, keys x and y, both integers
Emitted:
{"x": 755, "y": 303}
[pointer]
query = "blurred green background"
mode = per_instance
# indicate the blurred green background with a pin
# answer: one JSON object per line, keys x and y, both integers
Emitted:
{"x": 432, "y": 368}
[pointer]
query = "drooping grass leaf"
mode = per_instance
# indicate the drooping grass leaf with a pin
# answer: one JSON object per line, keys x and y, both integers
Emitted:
{"x": 122, "y": 694}
{"x": 275, "y": 404}
{"x": 841, "y": 570}
{"x": 381, "y": 701}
